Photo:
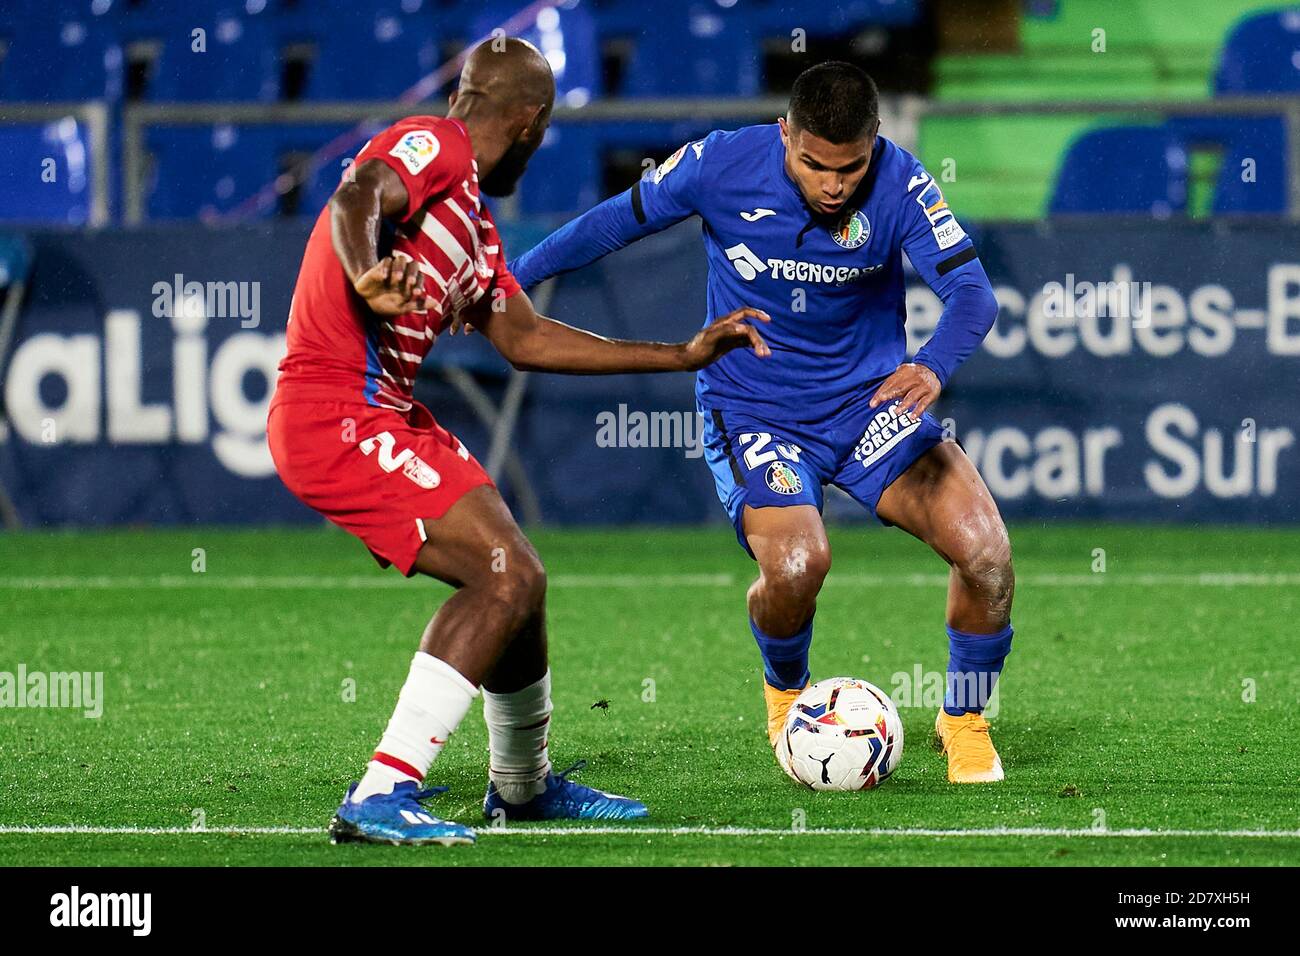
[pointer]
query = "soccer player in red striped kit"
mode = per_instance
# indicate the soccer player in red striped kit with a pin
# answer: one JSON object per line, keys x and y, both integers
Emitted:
{"x": 406, "y": 250}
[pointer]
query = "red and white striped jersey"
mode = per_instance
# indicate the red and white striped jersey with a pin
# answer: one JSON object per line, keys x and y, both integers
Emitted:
{"x": 338, "y": 350}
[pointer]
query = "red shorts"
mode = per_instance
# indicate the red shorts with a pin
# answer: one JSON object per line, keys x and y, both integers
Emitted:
{"x": 374, "y": 472}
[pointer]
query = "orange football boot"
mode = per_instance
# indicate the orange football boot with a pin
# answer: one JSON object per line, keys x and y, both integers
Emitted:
{"x": 779, "y": 703}
{"x": 965, "y": 739}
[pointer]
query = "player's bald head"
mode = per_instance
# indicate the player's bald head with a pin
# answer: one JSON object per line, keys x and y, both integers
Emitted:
{"x": 505, "y": 97}
{"x": 510, "y": 73}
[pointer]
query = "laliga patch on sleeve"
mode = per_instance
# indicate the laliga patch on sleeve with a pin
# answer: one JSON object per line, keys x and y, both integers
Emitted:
{"x": 416, "y": 150}
{"x": 948, "y": 234}
{"x": 668, "y": 165}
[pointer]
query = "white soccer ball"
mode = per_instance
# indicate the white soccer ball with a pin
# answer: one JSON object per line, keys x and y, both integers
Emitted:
{"x": 841, "y": 734}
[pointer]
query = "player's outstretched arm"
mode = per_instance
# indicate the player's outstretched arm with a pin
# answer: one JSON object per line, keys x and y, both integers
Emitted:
{"x": 532, "y": 342}
{"x": 652, "y": 204}
{"x": 599, "y": 231}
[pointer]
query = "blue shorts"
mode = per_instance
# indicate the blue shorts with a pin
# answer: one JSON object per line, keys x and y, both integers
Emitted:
{"x": 766, "y": 463}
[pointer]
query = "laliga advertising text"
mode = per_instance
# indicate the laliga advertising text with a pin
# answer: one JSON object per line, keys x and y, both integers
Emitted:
{"x": 207, "y": 384}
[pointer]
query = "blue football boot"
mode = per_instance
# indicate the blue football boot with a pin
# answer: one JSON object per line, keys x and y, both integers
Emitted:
{"x": 565, "y": 800}
{"x": 396, "y": 818}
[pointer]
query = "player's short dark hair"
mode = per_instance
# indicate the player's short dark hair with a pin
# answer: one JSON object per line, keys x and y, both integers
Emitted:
{"x": 835, "y": 101}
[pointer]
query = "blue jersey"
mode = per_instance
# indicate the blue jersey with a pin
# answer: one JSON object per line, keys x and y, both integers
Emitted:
{"x": 833, "y": 288}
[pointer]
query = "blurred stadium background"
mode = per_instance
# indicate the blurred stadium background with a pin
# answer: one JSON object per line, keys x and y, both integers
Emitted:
{"x": 147, "y": 146}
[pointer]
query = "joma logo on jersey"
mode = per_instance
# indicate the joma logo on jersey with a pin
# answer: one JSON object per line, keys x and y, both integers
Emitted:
{"x": 885, "y": 431}
{"x": 749, "y": 267}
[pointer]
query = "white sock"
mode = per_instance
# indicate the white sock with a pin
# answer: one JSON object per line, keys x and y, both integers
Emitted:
{"x": 433, "y": 702}
{"x": 518, "y": 724}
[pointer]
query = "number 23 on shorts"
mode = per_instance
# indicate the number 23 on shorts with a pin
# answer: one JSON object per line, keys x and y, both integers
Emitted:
{"x": 760, "y": 451}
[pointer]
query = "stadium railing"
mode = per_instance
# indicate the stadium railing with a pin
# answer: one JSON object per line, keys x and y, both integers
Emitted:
{"x": 902, "y": 115}
{"x": 137, "y": 119}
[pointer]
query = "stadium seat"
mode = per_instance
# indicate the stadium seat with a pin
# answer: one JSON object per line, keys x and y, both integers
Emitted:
{"x": 564, "y": 174}
{"x": 782, "y": 16}
{"x": 698, "y": 50}
{"x": 1123, "y": 169}
{"x": 1257, "y": 144}
{"x": 62, "y": 61}
{"x": 30, "y": 194}
{"x": 323, "y": 176}
{"x": 238, "y": 61}
{"x": 208, "y": 170}
{"x": 452, "y": 17}
{"x": 566, "y": 35}
{"x": 374, "y": 53}
{"x": 1261, "y": 55}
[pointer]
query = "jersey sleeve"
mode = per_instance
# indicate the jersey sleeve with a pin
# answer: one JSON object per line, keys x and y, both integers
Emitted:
{"x": 933, "y": 239}
{"x": 944, "y": 256}
{"x": 430, "y": 156}
{"x": 655, "y": 202}
{"x": 671, "y": 193}
{"x": 504, "y": 280}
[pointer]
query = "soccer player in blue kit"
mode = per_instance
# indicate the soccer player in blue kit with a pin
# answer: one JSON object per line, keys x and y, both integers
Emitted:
{"x": 807, "y": 219}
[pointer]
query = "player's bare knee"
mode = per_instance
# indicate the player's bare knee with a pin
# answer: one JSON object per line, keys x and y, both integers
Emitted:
{"x": 793, "y": 576}
{"x": 984, "y": 562}
{"x": 519, "y": 582}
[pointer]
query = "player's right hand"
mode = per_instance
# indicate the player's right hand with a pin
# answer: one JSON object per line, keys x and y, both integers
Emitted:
{"x": 393, "y": 286}
{"x": 722, "y": 335}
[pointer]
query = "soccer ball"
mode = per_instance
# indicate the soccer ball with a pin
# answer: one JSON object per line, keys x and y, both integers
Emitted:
{"x": 841, "y": 734}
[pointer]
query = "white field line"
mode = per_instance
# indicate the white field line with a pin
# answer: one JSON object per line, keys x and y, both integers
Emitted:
{"x": 640, "y": 831}
{"x": 1223, "y": 579}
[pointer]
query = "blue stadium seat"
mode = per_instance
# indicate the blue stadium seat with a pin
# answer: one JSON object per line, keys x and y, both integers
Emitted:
{"x": 203, "y": 171}
{"x": 239, "y": 61}
{"x": 564, "y": 174}
{"x": 25, "y": 176}
{"x": 699, "y": 49}
{"x": 566, "y": 35}
{"x": 323, "y": 177}
{"x": 842, "y": 16}
{"x": 1123, "y": 169}
{"x": 71, "y": 60}
{"x": 1261, "y": 55}
{"x": 1259, "y": 142}
{"x": 377, "y": 52}
{"x": 619, "y": 17}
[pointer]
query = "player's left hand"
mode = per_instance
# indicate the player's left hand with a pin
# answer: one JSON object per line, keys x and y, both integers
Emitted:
{"x": 722, "y": 335}
{"x": 915, "y": 387}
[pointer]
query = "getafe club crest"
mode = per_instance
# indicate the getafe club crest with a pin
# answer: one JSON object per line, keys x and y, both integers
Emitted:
{"x": 783, "y": 479}
{"x": 852, "y": 231}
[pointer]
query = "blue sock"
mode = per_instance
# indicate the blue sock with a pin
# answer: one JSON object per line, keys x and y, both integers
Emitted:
{"x": 785, "y": 659}
{"x": 974, "y": 663}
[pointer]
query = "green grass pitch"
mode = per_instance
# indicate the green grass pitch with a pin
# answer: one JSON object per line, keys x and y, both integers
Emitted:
{"x": 1159, "y": 695}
